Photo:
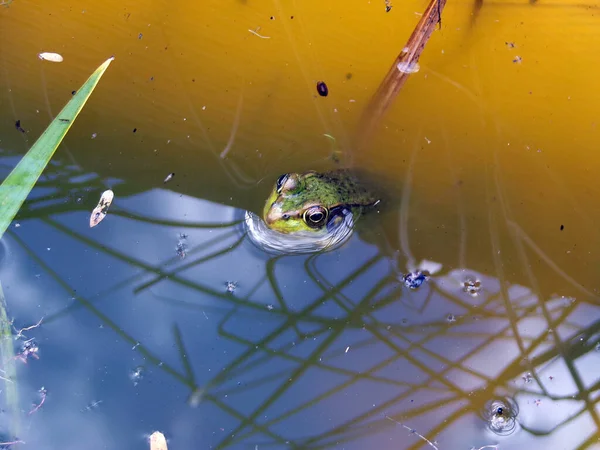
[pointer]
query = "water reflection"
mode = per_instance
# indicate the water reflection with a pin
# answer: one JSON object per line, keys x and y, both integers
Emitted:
{"x": 325, "y": 350}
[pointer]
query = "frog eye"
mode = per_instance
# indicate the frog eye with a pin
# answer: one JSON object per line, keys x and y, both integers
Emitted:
{"x": 315, "y": 216}
{"x": 280, "y": 182}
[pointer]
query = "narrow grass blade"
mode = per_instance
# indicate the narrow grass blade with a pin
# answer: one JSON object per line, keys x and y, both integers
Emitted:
{"x": 19, "y": 183}
{"x": 7, "y": 359}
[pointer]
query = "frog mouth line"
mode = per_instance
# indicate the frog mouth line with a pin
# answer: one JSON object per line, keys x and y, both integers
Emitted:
{"x": 334, "y": 235}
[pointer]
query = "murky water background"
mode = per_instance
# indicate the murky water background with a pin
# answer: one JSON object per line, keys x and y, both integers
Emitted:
{"x": 490, "y": 150}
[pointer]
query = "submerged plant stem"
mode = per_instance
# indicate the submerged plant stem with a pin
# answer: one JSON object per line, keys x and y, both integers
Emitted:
{"x": 405, "y": 64}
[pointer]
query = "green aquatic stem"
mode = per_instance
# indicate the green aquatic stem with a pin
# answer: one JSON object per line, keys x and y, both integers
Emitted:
{"x": 8, "y": 361}
{"x": 19, "y": 183}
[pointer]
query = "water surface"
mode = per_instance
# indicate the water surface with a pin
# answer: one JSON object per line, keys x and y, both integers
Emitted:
{"x": 166, "y": 316}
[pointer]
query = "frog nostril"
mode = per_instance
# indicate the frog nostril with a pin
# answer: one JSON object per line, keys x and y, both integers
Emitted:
{"x": 285, "y": 216}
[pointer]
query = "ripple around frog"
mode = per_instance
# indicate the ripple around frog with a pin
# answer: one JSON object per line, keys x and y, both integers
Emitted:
{"x": 271, "y": 241}
{"x": 500, "y": 415}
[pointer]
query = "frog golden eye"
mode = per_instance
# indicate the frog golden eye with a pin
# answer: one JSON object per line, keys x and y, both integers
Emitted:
{"x": 315, "y": 216}
{"x": 280, "y": 182}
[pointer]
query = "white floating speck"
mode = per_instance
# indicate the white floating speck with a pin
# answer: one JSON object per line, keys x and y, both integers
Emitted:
{"x": 99, "y": 212}
{"x": 347, "y": 348}
{"x": 47, "y": 56}
{"x": 169, "y": 177}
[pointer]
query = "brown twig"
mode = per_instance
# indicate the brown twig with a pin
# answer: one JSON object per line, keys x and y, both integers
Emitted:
{"x": 36, "y": 407}
{"x": 404, "y": 65}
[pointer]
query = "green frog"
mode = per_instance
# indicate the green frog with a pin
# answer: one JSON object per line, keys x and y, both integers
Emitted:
{"x": 313, "y": 202}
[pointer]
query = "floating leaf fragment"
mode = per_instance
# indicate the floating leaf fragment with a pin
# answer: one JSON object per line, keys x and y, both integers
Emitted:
{"x": 49, "y": 56}
{"x": 158, "y": 441}
{"x": 99, "y": 212}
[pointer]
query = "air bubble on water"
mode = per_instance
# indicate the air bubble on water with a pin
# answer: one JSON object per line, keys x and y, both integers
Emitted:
{"x": 136, "y": 375}
{"x": 406, "y": 67}
{"x": 500, "y": 415}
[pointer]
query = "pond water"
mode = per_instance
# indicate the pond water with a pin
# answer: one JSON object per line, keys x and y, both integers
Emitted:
{"x": 167, "y": 317}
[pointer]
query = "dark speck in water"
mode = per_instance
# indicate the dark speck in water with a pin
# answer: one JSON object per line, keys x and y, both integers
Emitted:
{"x": 322, "y": 89}
{"x": 134, "y": 130}
{"x": 73, "y": 92}
{"x": 348, "y": 76}
{"x": 18, "y": 126}
{"x": 140, "y": 36}
{"x": 562, "y": 227}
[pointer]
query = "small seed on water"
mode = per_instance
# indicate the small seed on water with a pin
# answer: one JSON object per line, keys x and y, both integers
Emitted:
{"x": 99, "y": 212}
{"x": 53, "y": 57}
{"x": 322, "y": 89}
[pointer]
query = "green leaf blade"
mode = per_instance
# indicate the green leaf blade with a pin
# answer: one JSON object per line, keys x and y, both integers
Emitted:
{"x": 19, "y": 183}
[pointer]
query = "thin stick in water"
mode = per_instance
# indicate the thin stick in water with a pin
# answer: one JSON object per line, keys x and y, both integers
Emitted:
{"x": 414, "y": 431}
{"x": 405, "y": 64}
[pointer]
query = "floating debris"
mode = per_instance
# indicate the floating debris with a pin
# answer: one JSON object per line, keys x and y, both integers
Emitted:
{"x": 517, "y": 60}
{"x": 169, "y": 177}
{"x": 158, "y": 441}
{"x": 140, "y": 36}
{"x": 322, "y": 89}
{"x": 231, "y": 286}
{"x": 500, "y": 415}
{"x": 527, "y": 378}
{"x": 510, "y": 44}
{"x": 414, "y": 280}
{"x": 92, "y": 405}
{"x": 181, "y": 248}
{"x": 388, "y": 6}
{"x": 451, "y": 318}
{"x": 18, "y": 126}
{"x": 29, "y": 348}
{"x": 53, "y": 57}
{"x": 136, "y": 375}
{"x": 99, "y": 212}
{"x": 472, "y": 287}
{"x": 42, "y": 392}
{"x": 255, "y": 33}
{"x": 94, "y": 135}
